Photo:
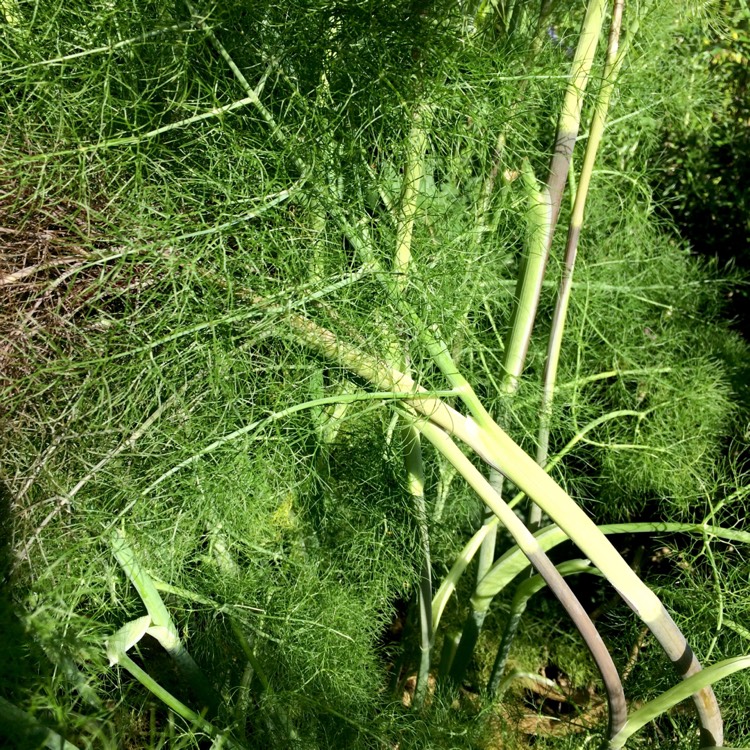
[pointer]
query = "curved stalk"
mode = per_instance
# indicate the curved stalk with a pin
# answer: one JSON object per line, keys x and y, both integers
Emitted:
{"x": 449, "y": 583}
{"x": 675, "y": 695}
{"x": 196, "y": 719}
{"x": 160, "y": 624}
{"x": 538, "y": 558}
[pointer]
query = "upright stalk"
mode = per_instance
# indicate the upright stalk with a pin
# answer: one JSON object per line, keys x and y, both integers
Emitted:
{"x": 415, "y": 483}
{"x": 546, "y": 202}
{"x": 410, "y": 195}
{"x": 543, "y": 210}
{"x": 613, "y": 64}
{"x": 416, "y": 147}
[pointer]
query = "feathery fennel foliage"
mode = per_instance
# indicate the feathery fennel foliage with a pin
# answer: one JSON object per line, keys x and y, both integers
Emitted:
{"x": 184, "y": 185}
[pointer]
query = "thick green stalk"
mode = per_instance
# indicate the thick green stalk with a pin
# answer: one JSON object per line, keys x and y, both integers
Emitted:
{"x": 487, "y": 550}
{"x": 448, "y": 653}
{"x": 411, "y": 191}
{"x": 440, "y": 355}
{"x": 615, "y": 58}
{"x": 450, "y": 581}
{"x": 570, "y": 115}
{"x": 415, "y": 481}
{"x": 416, "y": 147}
{"x": 513, "y": 561}
{"x": 127, "y": 637}
{"x": 467, "y": 644}
{"x": 543, "y": 211}
{"x": 530, "y": 278}
{"x": 545, "y": 203}
{"x": 528, "y": 290}
{"x": 601, "y": 109}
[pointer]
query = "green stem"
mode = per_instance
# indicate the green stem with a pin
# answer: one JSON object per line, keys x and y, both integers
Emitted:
{"x": 448, "y": 653}
{"x": 475, "y": 620}
{"x": 257, "y": 669}
{"x": 342, "y": 398}
{"x": 487, "y": 550}
{"x": 611, "y": 69}
{"x": 415, "y": 480}
{"x": 138, "y": 138}
{"x": 675, "y": 695}
{"x": 467, "y": 644}
{"x": 412, "y": 185}
{"x": 252, "y": 94}
{"x": 164, "y": 628}
{"x": 449, "y": 583}
{"x": 530, "y": 277}
{"x": 416, "y": 147}
{"x": 570, "y": 114}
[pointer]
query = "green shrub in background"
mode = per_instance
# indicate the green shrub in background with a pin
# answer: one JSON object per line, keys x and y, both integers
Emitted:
{"x": 249, "y": 252}
{"x": 705, "y": 159}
